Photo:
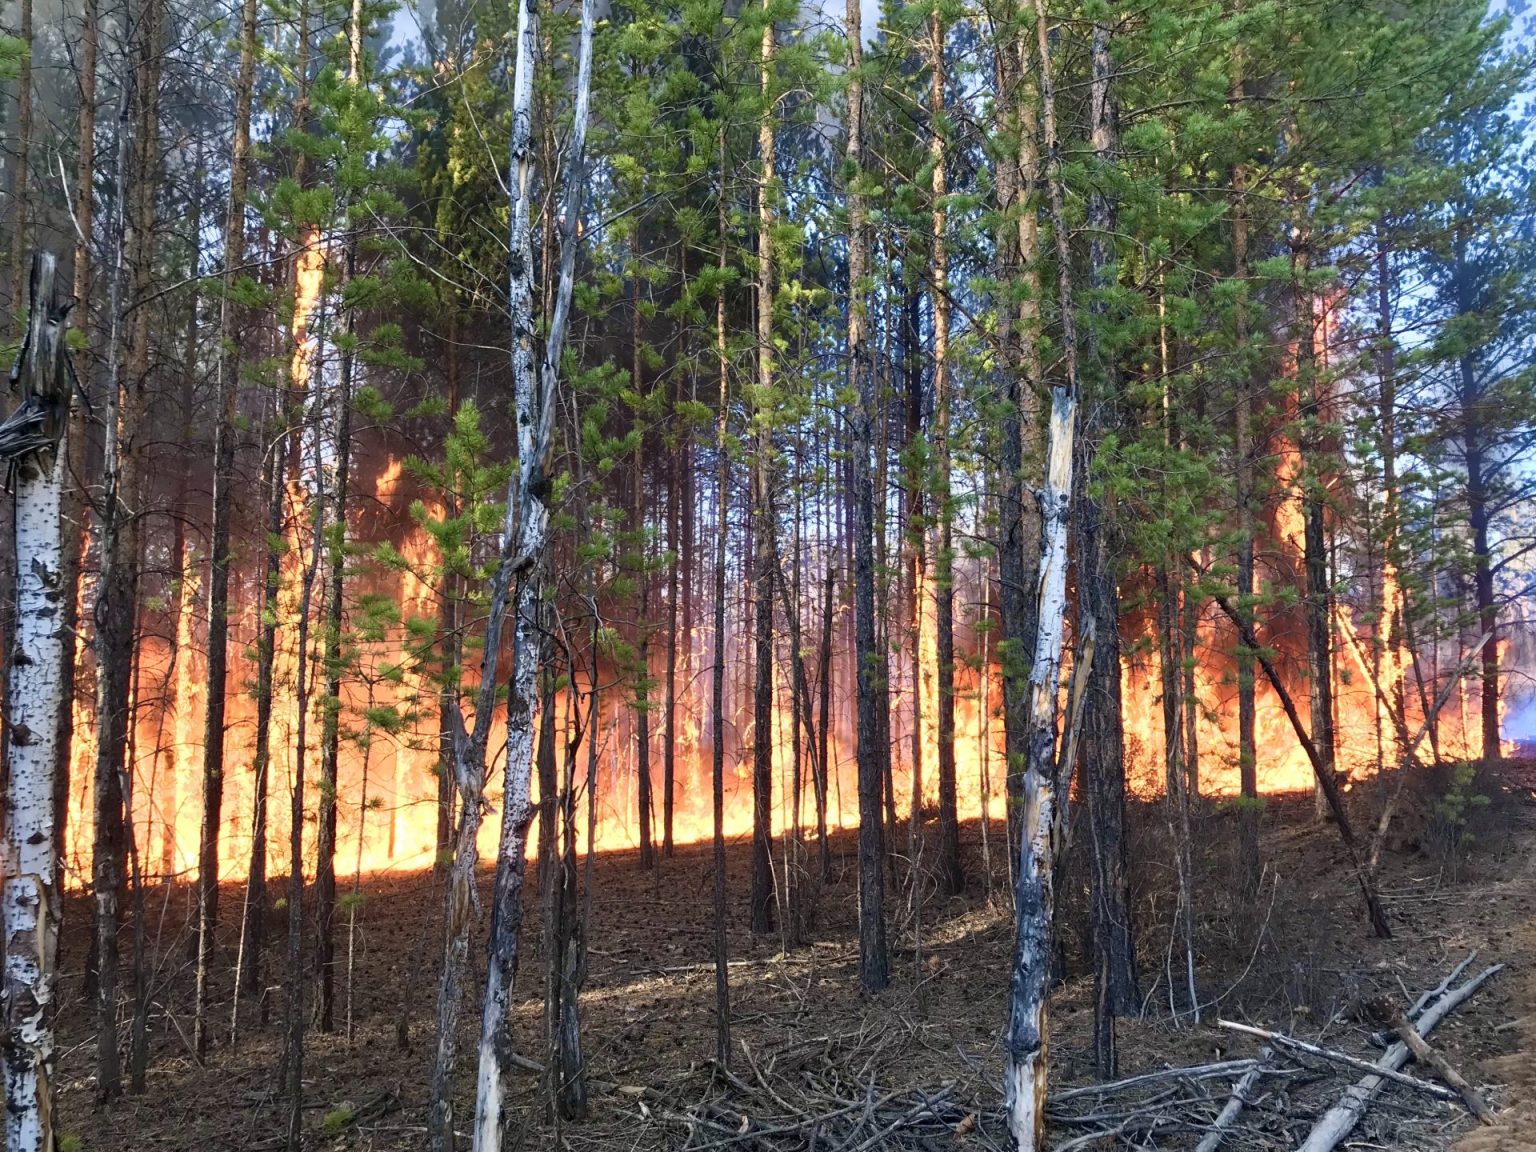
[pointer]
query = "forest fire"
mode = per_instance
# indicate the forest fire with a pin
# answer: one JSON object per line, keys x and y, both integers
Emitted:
{"x": 388, "y": 771}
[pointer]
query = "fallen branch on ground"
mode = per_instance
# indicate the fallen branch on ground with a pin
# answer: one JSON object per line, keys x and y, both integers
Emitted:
{"x": 1384, "y": 1009}
{"x": 1344, "y": 1058}
{"x": 1341, "y": 1119}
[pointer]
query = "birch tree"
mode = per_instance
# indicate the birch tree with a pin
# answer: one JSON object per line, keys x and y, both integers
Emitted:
{"x": 1025, "y": 1039}
{"x": 31, "y": 904}
{"x": 514, "y": 581}
{"x": 526, "y": 529}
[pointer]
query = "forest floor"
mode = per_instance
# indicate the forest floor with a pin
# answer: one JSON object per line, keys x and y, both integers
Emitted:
{"x": 1297, "y": 960}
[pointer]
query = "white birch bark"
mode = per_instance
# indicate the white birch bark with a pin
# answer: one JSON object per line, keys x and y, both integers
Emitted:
{"x": 1026, "y": 1038}
{"x": 31, "y": 896}
{"x": 524, "y": 535}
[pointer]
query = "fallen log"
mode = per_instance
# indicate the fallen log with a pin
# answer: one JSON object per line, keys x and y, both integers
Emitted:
{"x": 1340, "y": 1120}
{"x": 1344, "y": 1058}
{"x": 1386, "y": 1010}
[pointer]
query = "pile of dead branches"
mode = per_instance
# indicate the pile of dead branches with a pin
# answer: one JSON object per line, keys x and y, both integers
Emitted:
{"x": 838, "y": 1094}
{"x": 824, "y": 1094}
{"x": 1194, "y": 1107}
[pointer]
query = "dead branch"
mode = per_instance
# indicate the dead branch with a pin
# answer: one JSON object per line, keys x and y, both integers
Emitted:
{"x": 1194, "y": 1072}
{"x": 1344, "y": 1058}
{"x": 1385, "y": 1010}
{"x": 1341, "y": 1119}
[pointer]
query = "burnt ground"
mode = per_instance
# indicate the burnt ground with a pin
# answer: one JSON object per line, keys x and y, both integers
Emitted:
{"x": 1297, "y": 960}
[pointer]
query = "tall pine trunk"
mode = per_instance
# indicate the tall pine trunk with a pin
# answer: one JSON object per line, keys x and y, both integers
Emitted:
{"x": 869, "y": 670}
{"x": 227, "y": 375}
{"x": 1250, "y": 865}
{"x": 951, "y": 877}
{"x": 765, "y": 528}
{"x": 717, "y": 672}
{"x": 116, "y": 605}
{"x": 74, "y": 503}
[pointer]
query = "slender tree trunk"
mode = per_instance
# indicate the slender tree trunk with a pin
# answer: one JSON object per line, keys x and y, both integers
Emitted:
{"x": 227, "y": 372}
{"x": 330, "y": 736}
{"x": 523, "y": 546}
{"x": 1475, "y": 418}
{"x": 117, "y": 585}
{"x": 74, "y": 505}
{"x": 669, "y": 749}
{"x": 1250, "y": 867}
{"x": 1318, "y": 597}
{"x": 822, "y": 768}
{"x": 1026, "y": 1034}
{"x": 1104, "y": 741}
{"x": 951, "y": 876}
{"x": 336, "y": 546}
{"x": 1018, "y": 263}
{"x": 253, "y": 927}
{"x": 21, "y": 194}
{"x": 765, "y": 528}
{"x": 873, "y": 752}
{"x": 642, "y": 620}
{"x": 308, "y": 266}
{"x": 717, "y": 673}
{"x": 37, "y": 694}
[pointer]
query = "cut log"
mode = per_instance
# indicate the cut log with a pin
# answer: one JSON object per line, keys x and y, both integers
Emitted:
{"x": 1392, "y": 1014}
{"x": 1344, "y": 1058}
{"x": 1341, "y": 1119}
